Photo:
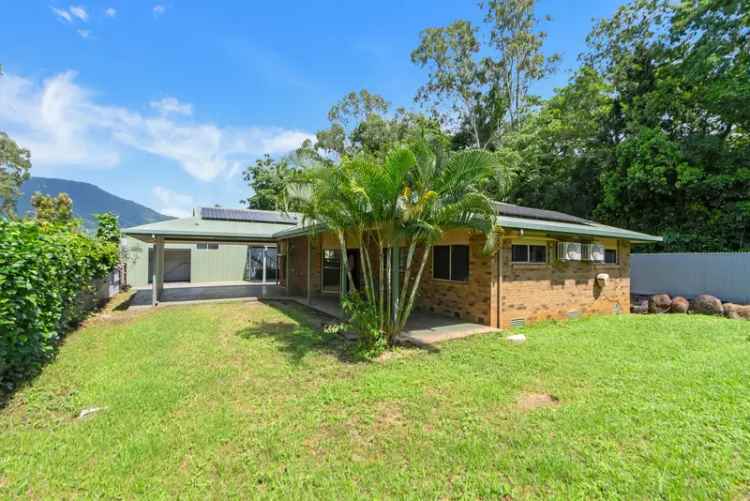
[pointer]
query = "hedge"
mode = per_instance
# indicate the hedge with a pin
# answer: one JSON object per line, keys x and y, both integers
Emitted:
{"x": 44, "y": 271}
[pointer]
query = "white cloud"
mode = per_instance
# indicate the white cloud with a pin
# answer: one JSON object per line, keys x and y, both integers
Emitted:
{"x": 84, "y": 33}
{"x": 63, "y": 125}
{"x": 172, "y": 203}
{"x": 169, "y": 105}
{"x": 79, "y": 11}
{"x": 159, "y": 10}
{"x": 62, "y": 14}
{"x": 110, "y": 12}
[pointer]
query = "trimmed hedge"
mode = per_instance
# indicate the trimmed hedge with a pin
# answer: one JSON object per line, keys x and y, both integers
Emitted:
{"x": 44, "y": 271}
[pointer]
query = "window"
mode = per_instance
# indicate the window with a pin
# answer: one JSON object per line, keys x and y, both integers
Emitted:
{"x": 610, "y": 256}
{"x": 331, "y": 269}
{"x": 450, "y": 262}
{"x": 262, "y": 264}
{"x": 529, "y": 253}
{"x": 207, "y": 246}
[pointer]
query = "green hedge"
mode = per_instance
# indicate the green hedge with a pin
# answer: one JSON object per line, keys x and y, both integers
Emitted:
{"x": 44, "y": 271}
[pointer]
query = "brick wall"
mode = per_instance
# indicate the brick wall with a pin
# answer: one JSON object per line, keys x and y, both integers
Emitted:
{"x": 472, "y": 300}
{"x": 297, "y": 257}
{"x": 562, "y": 290}
{"x": 531, "y": 292}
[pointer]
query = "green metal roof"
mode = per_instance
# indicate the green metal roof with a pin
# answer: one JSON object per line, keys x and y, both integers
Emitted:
{"x": 195, "y": 228}
{"x": 592, "y": 229}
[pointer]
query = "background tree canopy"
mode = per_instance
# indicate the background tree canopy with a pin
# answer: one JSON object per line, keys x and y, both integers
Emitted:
{"x": 652, "y": 132}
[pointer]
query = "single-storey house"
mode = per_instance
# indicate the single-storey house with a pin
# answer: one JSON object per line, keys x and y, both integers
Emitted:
{"x": 549, "y": 265}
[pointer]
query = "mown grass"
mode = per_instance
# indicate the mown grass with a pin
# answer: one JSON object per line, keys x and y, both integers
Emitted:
{"x": 247, "y": 400}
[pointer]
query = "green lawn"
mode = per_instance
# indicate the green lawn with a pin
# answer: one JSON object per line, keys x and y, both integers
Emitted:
{"x": 244, "y": 400}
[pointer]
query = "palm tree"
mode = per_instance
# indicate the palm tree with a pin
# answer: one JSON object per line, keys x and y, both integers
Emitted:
{"x": 408, "y": 199}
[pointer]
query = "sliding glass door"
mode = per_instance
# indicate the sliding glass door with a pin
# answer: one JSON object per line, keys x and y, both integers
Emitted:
{"x": 262, "y": 264}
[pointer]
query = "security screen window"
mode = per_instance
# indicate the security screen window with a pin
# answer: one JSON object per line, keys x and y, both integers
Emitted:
{"x": 522, "y": 253}
{"x": 537, "y": 253}
{"x": 610, "y": 256}
{"x": 441, "y": 262}
{"x": 450, "y": 262}
{"x": 460, "y": 262}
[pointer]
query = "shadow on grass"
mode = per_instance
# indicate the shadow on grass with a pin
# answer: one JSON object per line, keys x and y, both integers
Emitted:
{"x": 304, "y": 335}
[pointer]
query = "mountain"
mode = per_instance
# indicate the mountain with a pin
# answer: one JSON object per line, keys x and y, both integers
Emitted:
{"x": 87, "y": 201}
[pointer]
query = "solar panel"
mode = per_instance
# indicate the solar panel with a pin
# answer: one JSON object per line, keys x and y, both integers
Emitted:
{"x": 248, "y": 215}
{"x": 506, "y": 209}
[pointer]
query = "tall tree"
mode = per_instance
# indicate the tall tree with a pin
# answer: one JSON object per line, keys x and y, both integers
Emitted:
{"x": 15, "y": 163}
{"x": 483, "y": 91}
{"x": 268, "y": 178}
{"x": 54, "y": 210}
{"x": 362, "y": 122}
{"x": 409, "y": 197}
{"x": 680, "y": 74}
{"x": 557, "y": 153}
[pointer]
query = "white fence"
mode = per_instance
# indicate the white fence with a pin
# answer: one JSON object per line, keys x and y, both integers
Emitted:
{"x": 725, "y": 275}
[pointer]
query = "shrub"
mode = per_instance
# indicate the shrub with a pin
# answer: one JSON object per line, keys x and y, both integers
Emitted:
{"x": 45, "y": 270}
{"x": 364, "y": 319}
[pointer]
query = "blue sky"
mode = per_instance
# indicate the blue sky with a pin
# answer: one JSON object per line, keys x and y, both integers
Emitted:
{"x": 164, "y": 102}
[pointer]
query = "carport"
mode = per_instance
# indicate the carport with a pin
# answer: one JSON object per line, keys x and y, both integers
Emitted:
{"x": 207, "y": 226}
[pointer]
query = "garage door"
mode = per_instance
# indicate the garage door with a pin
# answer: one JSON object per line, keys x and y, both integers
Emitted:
{"x": 176, "y": 265}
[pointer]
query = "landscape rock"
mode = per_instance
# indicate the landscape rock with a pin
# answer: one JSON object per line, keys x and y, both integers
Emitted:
{"x": 706, "y": 304}
{"x": 638, "y": 304}
{"x": 639, "y": 309}
{"x": 737, "y": 311}
{"x": 86, "y": 413}
{"x": 659, "y": 303}
{"x": 516, "y": 339}
{"x": 680, "y": 305}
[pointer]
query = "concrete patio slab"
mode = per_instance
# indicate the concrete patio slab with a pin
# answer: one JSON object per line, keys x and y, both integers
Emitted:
{"x": 201, "y": 293}
{"x": 422, "y": 329}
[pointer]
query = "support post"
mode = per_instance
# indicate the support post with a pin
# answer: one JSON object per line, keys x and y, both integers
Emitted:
{"x": 288, "y": 255}
{"x": 343, "y": 285}
{"x": 395, "y": 280}
{"x": 157, "y": 281}
{"x": 309, "y": 270}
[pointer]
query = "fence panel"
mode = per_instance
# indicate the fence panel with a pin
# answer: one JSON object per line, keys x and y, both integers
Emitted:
{"x": 725, "y": 275}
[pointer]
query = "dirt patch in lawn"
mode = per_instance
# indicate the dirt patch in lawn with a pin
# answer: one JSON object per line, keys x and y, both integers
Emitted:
{"x": 531, "y": 401}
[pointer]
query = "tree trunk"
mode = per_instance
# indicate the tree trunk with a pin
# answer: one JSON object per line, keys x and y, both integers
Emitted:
{"x": 407, "y": 274}
{"x": 381, "y": 292}
{"x": 405, "y": 312}
{"x": 344, "y": 259}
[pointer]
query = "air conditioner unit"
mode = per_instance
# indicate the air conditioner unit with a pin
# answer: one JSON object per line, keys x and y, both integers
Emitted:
{"x": 569, "y": 251}
{"x": 597, "y": 253}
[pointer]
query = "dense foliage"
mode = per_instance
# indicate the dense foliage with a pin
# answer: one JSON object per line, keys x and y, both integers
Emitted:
{"x": 45, "y": 273}
{"x": 653, "y": 132}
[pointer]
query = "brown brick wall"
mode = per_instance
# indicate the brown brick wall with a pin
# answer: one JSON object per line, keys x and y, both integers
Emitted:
{"x": 562, "y": 290}
{"x": 530, "y": 292}
{"x": 297, "y": 256}
{"x": 471, "y": 300}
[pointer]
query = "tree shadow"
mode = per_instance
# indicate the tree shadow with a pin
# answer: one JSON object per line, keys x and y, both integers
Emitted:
{"x": 304, "y": 334}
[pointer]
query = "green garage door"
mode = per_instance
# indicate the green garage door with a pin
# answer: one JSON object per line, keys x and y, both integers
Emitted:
{"x": 176, "y": 265}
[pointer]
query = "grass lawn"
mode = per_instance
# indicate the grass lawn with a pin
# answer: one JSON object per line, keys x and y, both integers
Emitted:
{"x": 246, "y": 400}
